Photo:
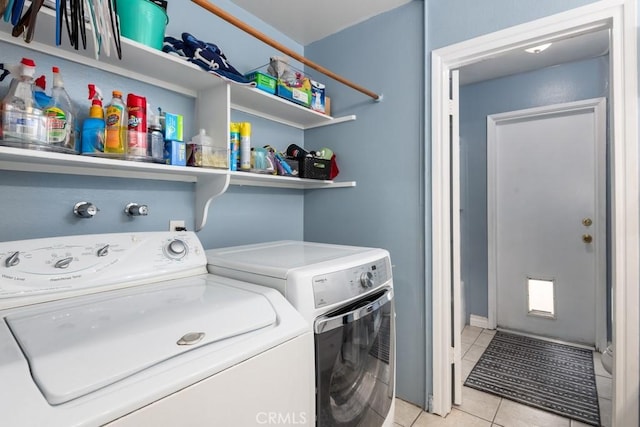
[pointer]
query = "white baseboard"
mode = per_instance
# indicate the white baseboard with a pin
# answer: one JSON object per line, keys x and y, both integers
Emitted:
{"x": 479, "y": 321}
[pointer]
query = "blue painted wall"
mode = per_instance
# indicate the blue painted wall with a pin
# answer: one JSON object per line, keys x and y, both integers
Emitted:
{"x": 452, "y": 21}
{"x": 383, "y": 151}
{"x": 39, "y": 205}
{"x": 387, "y": 151}
{"x": 563, "y": 83}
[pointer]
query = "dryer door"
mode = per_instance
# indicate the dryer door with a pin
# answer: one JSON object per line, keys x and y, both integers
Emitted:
{"x": 355, "y": 350}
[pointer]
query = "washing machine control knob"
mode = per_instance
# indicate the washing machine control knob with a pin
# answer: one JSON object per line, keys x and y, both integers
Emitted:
{"x": 366, "y": 280}
{"x": 13, "y": 259}
{"x": 176, "y": 249}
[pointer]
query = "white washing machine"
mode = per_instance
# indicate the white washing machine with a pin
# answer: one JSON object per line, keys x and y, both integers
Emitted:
{"x": 131, "y": 330}
{"x": 346, "y": 295}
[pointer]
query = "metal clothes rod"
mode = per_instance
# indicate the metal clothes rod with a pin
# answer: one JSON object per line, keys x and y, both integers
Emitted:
{"x": 262, "y": 37}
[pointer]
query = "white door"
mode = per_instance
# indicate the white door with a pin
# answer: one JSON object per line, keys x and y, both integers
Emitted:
{"x": 546, "y": 210}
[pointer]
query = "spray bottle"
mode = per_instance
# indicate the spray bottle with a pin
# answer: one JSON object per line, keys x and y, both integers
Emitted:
{"x": 21, "y": 118}
{"x": 61, "y": 115}
{"x": 93, "y": 128}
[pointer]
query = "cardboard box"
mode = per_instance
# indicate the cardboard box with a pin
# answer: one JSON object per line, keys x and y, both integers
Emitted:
{"x": 175, "y": 153}
{"x": 263, "y": 81}
{"x": 298, "y": 94}
{"x": 173, "y": 127}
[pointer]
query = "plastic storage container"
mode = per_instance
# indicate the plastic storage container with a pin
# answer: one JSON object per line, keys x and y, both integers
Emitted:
{"x": 202, "y": 152}
{"x": 142, "y": 21}
{"x": 23, "y": 123}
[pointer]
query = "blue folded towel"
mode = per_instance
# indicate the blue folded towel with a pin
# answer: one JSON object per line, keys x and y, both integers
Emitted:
{"x": 206, "y": 55}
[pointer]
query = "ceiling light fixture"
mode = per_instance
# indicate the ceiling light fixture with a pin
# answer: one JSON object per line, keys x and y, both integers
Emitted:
{"x": 538, "y": 49}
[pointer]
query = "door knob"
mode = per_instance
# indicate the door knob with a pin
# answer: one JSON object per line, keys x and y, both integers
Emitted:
{"x": 587, "y": 238}
{"x": 587, "y": 222}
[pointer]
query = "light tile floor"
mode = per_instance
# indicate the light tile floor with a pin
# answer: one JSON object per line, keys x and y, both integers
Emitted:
{"x": 481, "y": 409}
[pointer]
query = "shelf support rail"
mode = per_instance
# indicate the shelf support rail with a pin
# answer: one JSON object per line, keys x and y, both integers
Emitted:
{"x": 262, "y": 37}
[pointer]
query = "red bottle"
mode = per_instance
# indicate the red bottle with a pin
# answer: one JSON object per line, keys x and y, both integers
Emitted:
{"x": 137, "y": 126}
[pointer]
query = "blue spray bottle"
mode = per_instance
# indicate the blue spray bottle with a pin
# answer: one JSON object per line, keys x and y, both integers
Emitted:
{"x": 93, "y": 128}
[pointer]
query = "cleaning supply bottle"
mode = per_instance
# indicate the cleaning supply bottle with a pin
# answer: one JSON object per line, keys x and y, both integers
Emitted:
{"x": 137, "y": 127}
{"x": 155, "y": 137}
{"x": 61, "y": 125}
{"x": 93, "y": 128}
{"x": 234, "y": 145}
{"x": 116, "y": 125}
{"x": 22, "y": 120}
{"x": 42, "y": 99}
{"x": 245, "y": 146}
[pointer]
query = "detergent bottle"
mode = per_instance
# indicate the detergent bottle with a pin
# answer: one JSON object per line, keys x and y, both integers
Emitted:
{"x": 116, "y": 125}
{"x": 22, "y": 120}
{"x": 61, "y": 124}
{"x": 42, "y": 99}
{"x": 93, "y": 128}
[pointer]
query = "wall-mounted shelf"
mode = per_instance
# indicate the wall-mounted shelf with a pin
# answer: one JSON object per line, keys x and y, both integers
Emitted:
{"x": 214, "y": 96}
{"x": 157, "y": 68}
{"x": 209, "y": 183}
{"x": 259, "y": 103}
{"x": 265, "y": 180}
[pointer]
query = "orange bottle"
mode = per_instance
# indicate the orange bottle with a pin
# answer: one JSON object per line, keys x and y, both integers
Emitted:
{"x": 116, "y": 125}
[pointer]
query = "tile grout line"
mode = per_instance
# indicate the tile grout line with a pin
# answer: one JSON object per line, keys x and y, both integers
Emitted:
{"x": 493, "y": 421}
{"x": 416, "y": 418}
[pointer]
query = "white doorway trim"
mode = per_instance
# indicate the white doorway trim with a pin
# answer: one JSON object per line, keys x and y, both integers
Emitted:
{"x": 620, "y": 17}
{"x": 597, "y": 107}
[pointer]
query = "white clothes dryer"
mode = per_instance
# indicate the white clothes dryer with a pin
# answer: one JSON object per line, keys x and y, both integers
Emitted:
{"x": 346, "y": 295}
{"x": 131, "y": 330}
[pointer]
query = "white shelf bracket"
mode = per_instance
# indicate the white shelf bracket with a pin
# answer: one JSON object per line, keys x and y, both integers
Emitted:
{"x": 207, "y": 188}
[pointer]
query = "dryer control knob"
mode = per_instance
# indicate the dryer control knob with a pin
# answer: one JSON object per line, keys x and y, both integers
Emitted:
{"x": 366, "y": 280}
{"x": 176, "y": 249}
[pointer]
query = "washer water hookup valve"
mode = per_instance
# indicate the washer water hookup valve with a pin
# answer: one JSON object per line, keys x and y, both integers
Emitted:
{"x": 85, "y": 210}
{"x": 134, "y": 209}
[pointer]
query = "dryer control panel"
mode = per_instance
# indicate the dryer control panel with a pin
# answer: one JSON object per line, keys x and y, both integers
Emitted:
{"x": 343, "y": 285}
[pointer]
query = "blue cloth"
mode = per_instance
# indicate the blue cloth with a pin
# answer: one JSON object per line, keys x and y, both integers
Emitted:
{"x": 206, "y": 55}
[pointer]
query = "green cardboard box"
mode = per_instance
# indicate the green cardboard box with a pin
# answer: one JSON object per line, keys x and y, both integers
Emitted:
{"x": 263, "y": 81}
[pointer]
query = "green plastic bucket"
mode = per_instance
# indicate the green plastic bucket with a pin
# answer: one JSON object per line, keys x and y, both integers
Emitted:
{"x": 142, "y": 21}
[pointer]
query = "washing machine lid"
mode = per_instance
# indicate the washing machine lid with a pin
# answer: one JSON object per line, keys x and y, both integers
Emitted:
{"x": 277, "y": 259}
{"x": 77, "y": 346}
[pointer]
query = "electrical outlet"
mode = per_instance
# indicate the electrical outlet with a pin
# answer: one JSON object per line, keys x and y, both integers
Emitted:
{"x": 176, "y": 225}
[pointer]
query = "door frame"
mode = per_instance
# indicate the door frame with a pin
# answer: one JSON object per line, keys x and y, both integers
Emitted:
{"x": 620, "y": 17}
{"x": 597, "y": 106}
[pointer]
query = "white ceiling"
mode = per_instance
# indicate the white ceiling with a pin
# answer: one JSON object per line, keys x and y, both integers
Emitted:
{"x": 307, "y": 21}
{"x": 584, "y": 46}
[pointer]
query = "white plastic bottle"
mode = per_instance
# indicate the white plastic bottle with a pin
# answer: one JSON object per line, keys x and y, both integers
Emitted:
{"x": 61, "y": 131}
{"x": 21, "y": 118}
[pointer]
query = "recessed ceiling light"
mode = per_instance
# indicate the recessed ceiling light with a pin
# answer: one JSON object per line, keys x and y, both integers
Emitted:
{"x": 538, "y": 49}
